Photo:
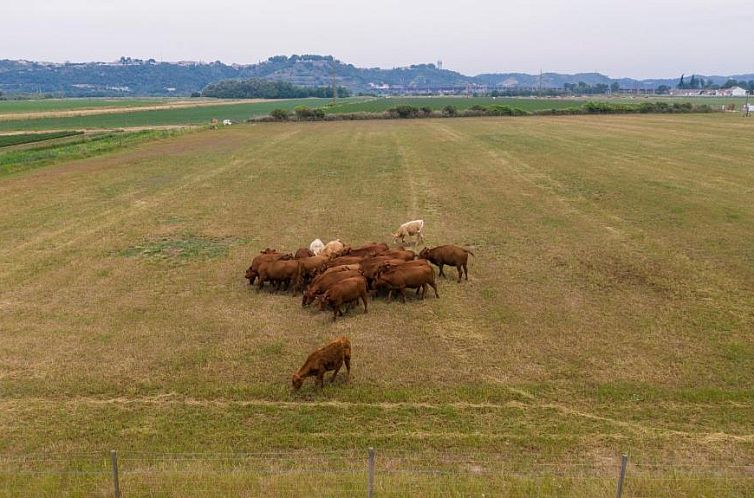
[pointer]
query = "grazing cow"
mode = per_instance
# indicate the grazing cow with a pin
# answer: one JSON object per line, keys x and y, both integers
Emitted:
{"x": 316, "y": 246}
{"x": 351, "y": 267}
{"x": 265, "y": 256}
{"x": 281, "y": 272}
{"x": 401, "y": 278}
{"x": 344, "y": 260}
{"x": 311, "y": 265}
{"x": 323, "y": 282}
{"x": 394, "y": 263}
{"x": 303, "y": 252}
{"x": 448, "y": 255}
{"x": 367, "y": 250}
{"x": 325, "y": 359}
{"x": 370, "y": 266}
{"x": 404, "y": 254}
{"x": 344, "y": 292}
{"x": 410, "y": 229}
{"x": 333, "y": 248}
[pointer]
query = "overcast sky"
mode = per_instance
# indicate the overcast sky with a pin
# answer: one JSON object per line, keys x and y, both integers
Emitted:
{"x": 636, "y": 38}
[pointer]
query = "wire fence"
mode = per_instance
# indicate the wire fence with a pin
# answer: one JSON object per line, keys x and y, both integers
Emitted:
{"x": 373, "y": 473}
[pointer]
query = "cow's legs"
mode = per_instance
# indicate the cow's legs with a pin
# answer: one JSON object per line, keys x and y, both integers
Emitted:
{"x": 466, "y": 270}
{"x": 460, "y": 272}
{"x": 332, "y": 381}
{"x": 441, "y": 265}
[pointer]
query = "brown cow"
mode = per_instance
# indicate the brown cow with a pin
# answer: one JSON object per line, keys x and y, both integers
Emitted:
{"x": 344, "y": 292}
{"x": 344, "y": 260}
{"x": 311, "y": 265}
{"x": 265, "y": 256}
{"x": 401, "y": 278}
{"x": 303, "y": 252}
{"x": 404, "y": 254}
{"x": 281, "y": 271}
{"x": 323, "y": 282}
{"x": 342, "y": 268}
{"x": 448, "y": 255}
{"x": 367, "y": 250}
{"x": 325, "y": 359}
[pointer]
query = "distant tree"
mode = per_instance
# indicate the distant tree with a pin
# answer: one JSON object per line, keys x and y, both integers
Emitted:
{"x": 693, "y": 83}
{"x": 682, "y": 84}
{"x": 663, "y": 89}
{"x": 196, "y": 94}
{"x": 279, "y": 114}
{"x": 449, "y": 111}
{"x": 615, "y": 87}
{"x": 730, "y": 83}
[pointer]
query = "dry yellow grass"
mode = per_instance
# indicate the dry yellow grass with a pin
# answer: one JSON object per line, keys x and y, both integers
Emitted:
{"x": 609, "y": 306}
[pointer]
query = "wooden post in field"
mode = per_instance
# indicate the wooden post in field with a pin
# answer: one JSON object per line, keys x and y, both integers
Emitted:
{"x": 370, "y": 486}
{"x": 623, "y": 465}
{"x": 116, "y": 484}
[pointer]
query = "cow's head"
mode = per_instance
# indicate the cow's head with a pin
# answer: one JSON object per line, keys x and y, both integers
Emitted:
{"x": 297, "y": 381}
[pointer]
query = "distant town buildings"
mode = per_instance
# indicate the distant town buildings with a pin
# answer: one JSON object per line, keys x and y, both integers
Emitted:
{"x": 735, "y": 91}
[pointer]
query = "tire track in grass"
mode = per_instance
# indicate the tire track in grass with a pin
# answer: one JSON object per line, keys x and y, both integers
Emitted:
{"x": 172, "y": 399}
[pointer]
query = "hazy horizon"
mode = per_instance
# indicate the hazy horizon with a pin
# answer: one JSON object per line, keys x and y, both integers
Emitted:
{"x": 641, "y": 40}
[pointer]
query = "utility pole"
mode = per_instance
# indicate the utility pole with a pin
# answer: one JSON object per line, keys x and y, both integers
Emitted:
{"x": 540, "y": 81}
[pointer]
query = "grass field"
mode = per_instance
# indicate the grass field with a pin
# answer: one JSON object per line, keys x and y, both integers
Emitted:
{"x": 609, "y": 309}
{"x": 526, "y": 104}
{"x": 202, "y": 113}
{"x": 199, "y": 115}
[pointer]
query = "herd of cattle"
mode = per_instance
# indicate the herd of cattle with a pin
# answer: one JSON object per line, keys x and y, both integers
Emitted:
{"x": 336, "y": 275}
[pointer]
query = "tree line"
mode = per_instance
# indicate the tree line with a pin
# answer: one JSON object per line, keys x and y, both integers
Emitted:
{"x": 257, "y": 88}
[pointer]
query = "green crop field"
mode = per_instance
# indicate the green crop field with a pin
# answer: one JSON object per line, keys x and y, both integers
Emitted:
{"x": 609, "y": 310}
{"x": 523, "y": 103}
{"x": 199, "y": 115}
{"x": 26, "y": 138}
{"x": 437, "y": 103}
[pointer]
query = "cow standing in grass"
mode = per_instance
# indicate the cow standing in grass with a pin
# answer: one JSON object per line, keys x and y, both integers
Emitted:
{"x": 325, "y": 359}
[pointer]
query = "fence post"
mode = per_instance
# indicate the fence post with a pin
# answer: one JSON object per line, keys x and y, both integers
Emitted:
{"x": 623, "y": 465}
{"x": 370, "y": 487}
{"x": 116, "y": 484}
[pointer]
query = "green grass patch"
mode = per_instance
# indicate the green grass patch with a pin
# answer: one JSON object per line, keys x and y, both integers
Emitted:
{"x": 181, "y": 248}
{"x": 17, "y": 161}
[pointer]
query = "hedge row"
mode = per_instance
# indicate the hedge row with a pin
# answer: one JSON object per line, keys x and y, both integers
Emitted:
{"x": 449, "y": 111}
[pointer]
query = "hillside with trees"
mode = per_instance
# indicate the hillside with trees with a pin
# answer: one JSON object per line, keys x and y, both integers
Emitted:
{"x": 137, "y": 77}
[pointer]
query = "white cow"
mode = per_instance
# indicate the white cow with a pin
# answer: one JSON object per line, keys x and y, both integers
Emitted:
{"x": 409, "y": 229}
{"x": 316, "y": 246}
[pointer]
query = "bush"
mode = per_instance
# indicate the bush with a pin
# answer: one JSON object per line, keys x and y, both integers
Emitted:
{"x": 279, "y": 114}
{"x": 426, "y": 111}
{"x": 304, "y": 113}
{"x": 449, "y": 111}
{"x": 405, "y": 111}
